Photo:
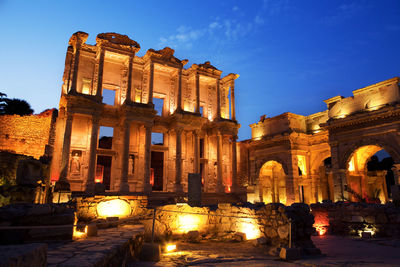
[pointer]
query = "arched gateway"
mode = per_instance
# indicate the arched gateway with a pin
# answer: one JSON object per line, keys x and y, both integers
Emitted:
{"x": 326, "y": 153}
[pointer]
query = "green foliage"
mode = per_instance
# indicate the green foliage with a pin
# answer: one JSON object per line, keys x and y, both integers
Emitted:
{"x": 14, "y": 106}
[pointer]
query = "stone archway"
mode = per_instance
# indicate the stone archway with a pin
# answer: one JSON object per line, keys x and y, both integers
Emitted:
{"x": 363, "y": 184}
{"x": 272, "y": 182}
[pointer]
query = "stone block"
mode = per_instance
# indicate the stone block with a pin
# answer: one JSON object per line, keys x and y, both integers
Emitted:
{"x": 92, "y": 229}
{"x": 239, "y": 236}
{"x": 150, "y": 252}
{"x": 289, "y": 254}
{"x": 24, "y": 255}
{"x": 357, "y": 218}
{"x": 193, "y": 237}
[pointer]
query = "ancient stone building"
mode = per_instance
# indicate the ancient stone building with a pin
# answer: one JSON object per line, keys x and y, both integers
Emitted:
{"x": 196, "y": 125}
{"x": 30, "y": 135}
{"x": 292, "y": 158}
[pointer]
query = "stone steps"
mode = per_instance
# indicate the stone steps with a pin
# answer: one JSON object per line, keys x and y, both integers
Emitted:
{"x": 111, "y": 247}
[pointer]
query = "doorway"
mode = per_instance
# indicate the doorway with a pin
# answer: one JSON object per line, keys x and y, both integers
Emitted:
{"x": 157, "y": 164}
{"x": 103, "y": 170}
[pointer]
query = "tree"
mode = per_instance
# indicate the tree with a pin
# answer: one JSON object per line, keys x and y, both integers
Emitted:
{"x": 14, "y": 106}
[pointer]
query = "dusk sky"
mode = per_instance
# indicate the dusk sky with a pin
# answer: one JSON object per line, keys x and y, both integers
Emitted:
{"x": 290, "y": 55}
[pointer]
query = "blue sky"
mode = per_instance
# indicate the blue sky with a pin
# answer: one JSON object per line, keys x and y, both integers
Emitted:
{"x": 291, "y": 55}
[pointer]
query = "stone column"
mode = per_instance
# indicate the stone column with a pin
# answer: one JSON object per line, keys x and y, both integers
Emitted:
{"x": 92, "y": 155}
{"x": 235, "y": 184}
{"x": 178, "y": 161}
{"x": 220, "y": 186}
{"x": 196, "y": 152}
{"x": 100, "y": 72}
{"x": 314, "y": 187}
{"x": 76, "y": 65}
{"x": 396, "y": 173}
{"x": 218, "y": 100}
{"x": 151, "y": 83}
{"x": 147, "y": 160}
{"x": 179, "y": 106}
{"x": 63, "y": 181}
{"x": 197, "y": 93}
{"x": 233, "y": 113}
{"x": 124, "y": 186}
{"x": 339, "y": 185}
{"x": 128, "y": 99}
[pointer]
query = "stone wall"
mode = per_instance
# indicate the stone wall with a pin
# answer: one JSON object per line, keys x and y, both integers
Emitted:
{"x": 44, "y": 216}
{"x": 87, "y": 207}
{"x": 31, "y": 135}
{"x": 354, "y": 218}
{"x": 228, "y": 222}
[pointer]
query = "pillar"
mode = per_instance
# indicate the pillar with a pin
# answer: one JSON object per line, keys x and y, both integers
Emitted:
{"x": 339, "y": 185}
{"x": 218, "y": 100}
{"x": 151, "y": 83}
{"x": 124, "y": 186}
{"x": 179, "y": 106}
{"x": 129, "y": 88}
{"x": 76, "y": 65}
{"x": 65, "y": 152}
{"x": 233, "y": 101}
{"x": 396, "y": 171}
{"x": 100, "y": 73}
{"x": 147, "y": 160}
{"x": 197, "y": 93}
{"x": 235, "y": 184}
{"x": 178, "y": 161}
{"x": 196, "y": 152}
{"x": 220, "y": 186}
{"x": 92, "y": 155}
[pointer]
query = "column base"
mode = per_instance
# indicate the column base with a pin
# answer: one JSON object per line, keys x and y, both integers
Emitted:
{"x": 124, "y": 187}
{"x": 178, "y": 188}
{"x": 147, "y": 188}
{"x": 62, "y": 185}
{"x": 220, "y": 188}
{"x": 89, "y": 189}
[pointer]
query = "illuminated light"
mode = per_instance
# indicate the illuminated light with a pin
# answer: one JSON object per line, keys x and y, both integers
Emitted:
{"x": 317, "y": 131}
{"x": 78, "y": 234}
{"x": 99, "y": 174}
{"x": 257, "y": 138}
{"x": 250, "y": 227}
{"x": 152, "y": 176}
{"x": 321, "y": 229}
{"x": 373, "y": 108}
{"x": 370, "y": 230}
{"x": 170, "y": 247}
{"x": 114, "y": 208}
{"x": 228, "y": 189}
{"x": 188, "y": 223}
{"x": 137, "y": 99}
{"x": 341, "y": 116}
{"x": 210, "y": 117}
{"x": 351, "y": 165}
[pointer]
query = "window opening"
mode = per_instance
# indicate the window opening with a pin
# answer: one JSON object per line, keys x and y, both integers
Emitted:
{"x": 105, "y": 137}
{"x": 158, "y": 105}
{"x": 109, "y": 97}
{"x": 157, "y": 138}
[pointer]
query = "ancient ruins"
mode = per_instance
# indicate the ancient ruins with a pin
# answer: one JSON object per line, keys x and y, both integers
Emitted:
{"x": 168, "y": 121}
{"x": 293, "y": 158}
{"x": 197, "y": 121}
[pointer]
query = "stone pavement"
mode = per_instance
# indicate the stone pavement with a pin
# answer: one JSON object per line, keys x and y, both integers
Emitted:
{"x": 337, "y": 251}
{"x": 109, "y": 248}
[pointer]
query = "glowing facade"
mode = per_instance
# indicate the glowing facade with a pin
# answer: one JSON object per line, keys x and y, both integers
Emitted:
{"x": 196, "y": 122}
{"x": 294, "y": 158}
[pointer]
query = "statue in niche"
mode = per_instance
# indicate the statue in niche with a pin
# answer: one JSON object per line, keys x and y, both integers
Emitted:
{"x": 76, "y": 162}
{"x": 131, "y": 166}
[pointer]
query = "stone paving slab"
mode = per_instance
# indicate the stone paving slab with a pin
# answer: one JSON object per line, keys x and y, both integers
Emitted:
{"x": 93, "y": 251}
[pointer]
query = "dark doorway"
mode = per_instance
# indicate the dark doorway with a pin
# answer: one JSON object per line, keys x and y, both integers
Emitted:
{"x": 104, "y": 164}
{"x": 202, "y": 175}
{"x": 157, "y": 164}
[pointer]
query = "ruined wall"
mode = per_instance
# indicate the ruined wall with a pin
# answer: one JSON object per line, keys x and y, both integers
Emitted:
{"x": 354, "y": 218}
{"x": 31, "y": 135}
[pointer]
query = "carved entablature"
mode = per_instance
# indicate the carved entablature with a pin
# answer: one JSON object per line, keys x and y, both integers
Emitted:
{"x": 205, "y": 69}
{"x": 78, "y": 38}
{"x": 118, "y": 41}
{"x": 165, "y": 55}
